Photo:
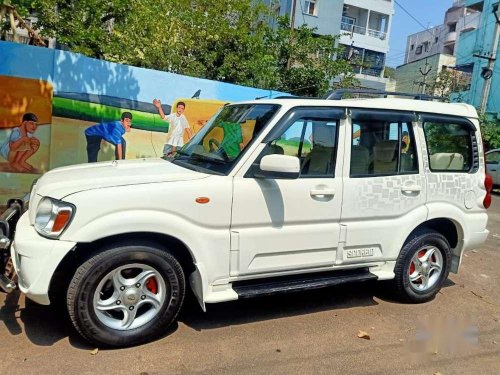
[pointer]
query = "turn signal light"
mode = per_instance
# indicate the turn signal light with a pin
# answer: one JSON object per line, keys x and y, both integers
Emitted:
{"x": 61, "y": 220}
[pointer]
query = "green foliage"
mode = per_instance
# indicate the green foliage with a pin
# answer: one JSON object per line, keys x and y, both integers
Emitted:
{"x": 490, "y": 131}
{"x": 446, "y": 82}
{"x": 230, "y": 41}
{"x": 389, "y": 72}
{"x": 307, "y": 63}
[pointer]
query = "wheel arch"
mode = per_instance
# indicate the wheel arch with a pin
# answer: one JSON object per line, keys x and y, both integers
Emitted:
{"x": 451, "y": 230}
{"x": 84, "y": 250}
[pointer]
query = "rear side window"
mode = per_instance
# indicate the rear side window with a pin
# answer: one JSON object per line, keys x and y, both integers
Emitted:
{"x": 382, "y": 148}
{"x": 449, "y": 146}
{"x": 493, "y": 158}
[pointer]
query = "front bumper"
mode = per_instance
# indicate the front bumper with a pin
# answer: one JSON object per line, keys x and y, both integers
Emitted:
{"x": 35, "y": 260}
{"x": 8, "y": 221}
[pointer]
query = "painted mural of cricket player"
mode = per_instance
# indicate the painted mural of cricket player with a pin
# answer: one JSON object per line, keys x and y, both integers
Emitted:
{"x": 112, "y": 132}
{"x": 178, "y": 123}
{"x": 21, "y": 144}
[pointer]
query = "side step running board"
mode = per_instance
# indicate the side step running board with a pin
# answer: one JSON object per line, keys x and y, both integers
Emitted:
{"x": 284, "y": 284}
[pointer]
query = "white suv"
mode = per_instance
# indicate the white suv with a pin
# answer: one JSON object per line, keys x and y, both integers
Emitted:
{"x": 270, "y": 196}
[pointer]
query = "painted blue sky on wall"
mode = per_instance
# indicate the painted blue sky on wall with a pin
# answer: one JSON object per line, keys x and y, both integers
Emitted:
{"x": 71, "y": 72}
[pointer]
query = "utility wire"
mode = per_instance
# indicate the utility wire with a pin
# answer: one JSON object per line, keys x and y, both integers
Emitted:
{"x": 428, "y": 30}
{"x": 411, "y": 15}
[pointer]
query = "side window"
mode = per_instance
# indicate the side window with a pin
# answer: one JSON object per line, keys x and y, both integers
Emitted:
{"x": 449, "y": 146}
{"x": 493, "y": 158}
{"x": 382, "y": 148}
{"x": 295, "y": 141}
{"x": 313, "y": 141}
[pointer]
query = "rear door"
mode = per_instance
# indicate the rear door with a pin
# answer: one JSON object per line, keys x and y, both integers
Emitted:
{"x": 384, "y": 185}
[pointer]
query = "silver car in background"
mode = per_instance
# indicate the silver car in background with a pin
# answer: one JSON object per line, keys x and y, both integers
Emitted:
{"x": 493, "y": 165}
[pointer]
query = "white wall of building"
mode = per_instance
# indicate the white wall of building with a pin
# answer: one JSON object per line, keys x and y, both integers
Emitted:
{"x": 441, "y": 38}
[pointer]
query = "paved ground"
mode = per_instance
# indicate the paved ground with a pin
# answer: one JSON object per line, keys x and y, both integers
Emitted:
{"x": 306, "y": 333}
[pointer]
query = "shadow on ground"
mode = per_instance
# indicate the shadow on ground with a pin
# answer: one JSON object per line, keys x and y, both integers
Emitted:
{"x": 46, "y": 325}
{"x": 42, "y": 325}
{"x": 339, "y": 297}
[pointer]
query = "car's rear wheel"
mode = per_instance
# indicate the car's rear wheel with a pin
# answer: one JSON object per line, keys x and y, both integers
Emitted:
{"x": 126, "y": 295}
{"x": 422, "y": 267}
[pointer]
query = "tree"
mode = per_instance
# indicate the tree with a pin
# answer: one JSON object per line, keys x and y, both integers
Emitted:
{"x": 490, "y": 132}
{"x": 11, "y": 19}
{"x": 84, "y": 26}
{"x": 448, "y": 81}
{"x": 306, "y": 63}
{"x": 389, "y": 72}
{"x": 230, "y": 41}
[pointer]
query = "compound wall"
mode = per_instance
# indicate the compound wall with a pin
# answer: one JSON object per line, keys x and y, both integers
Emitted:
{"x": 69, "y": 92}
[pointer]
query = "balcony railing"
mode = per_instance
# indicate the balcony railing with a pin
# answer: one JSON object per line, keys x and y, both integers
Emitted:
{"x": 353, "y": 28}
{"x": 377, "y": 34}
{"x": 363, "y": 30}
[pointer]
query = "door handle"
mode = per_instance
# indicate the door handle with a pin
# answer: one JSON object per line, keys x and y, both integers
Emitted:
{"x": 322, "y": 192}
{"x": 411, "y": 189}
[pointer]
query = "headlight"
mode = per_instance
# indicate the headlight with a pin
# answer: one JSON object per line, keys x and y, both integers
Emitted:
{"x": 53, "y": 217}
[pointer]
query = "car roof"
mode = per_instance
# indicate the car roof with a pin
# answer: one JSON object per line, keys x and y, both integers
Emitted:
{"x": 396, "y": 104}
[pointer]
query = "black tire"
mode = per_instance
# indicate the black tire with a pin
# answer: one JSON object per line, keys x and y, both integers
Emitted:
{"x": 404, "y": 289}
{"x": 81, "y": 290}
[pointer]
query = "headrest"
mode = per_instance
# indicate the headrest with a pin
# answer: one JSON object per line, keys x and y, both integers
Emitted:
{"x": 324, "y": 135}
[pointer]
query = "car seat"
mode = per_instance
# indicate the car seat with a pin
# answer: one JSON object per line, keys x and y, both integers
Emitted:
{"x": 360, "y": 160}
{"x": 319, "y": 160}
{"x": 385, "y": 159}
{"x": 447, "y": 161}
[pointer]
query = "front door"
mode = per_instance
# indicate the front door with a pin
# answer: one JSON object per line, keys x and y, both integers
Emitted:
{"x": 280, "y": 225}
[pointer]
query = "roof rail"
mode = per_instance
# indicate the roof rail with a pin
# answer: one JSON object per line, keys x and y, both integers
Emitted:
{"x": 294, "y": 97}
{"x": 338, "y": 94}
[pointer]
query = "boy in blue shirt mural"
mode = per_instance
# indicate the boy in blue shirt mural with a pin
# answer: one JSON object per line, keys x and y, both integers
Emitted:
{"x": 21, "y": 144}
{"x": 111, "y": 132}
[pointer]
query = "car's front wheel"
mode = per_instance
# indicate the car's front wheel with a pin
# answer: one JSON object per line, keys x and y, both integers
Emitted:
{"x": 126, "y": 295}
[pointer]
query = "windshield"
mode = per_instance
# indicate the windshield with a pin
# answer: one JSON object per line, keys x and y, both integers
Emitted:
{"x": 219, "y": 144}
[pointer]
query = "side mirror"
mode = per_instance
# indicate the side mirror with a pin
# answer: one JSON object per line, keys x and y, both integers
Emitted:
{"x": 279, "y": 166}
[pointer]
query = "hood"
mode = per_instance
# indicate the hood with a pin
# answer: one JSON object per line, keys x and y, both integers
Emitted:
{"x": 61, "y": 182}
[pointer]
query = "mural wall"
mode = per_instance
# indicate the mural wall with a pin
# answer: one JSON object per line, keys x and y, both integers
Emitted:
{"x": 78, "y": 103}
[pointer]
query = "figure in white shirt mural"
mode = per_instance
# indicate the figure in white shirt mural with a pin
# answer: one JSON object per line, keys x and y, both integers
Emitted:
{"x": 178, "y": 124}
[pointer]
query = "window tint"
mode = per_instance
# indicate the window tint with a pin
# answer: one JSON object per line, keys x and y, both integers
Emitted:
{"x": 449, "y": 146}
{"x": 313, "y": 141}
{"x": 493, "y": 158}
{"x": 382, "y": 148}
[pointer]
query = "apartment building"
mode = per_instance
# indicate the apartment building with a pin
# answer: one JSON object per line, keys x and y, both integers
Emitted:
{"x": 430, "y": 51}
{"x": 478, "y": 53}
{"x": 442, "y": 38}
{"x": 364, "y": 26}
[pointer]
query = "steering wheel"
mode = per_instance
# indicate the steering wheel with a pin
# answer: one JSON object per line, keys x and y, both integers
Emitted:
{"x": 214, "y": 146}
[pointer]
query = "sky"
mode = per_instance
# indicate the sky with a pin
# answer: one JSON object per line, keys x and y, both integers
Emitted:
{"x": 428, "y": 12}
